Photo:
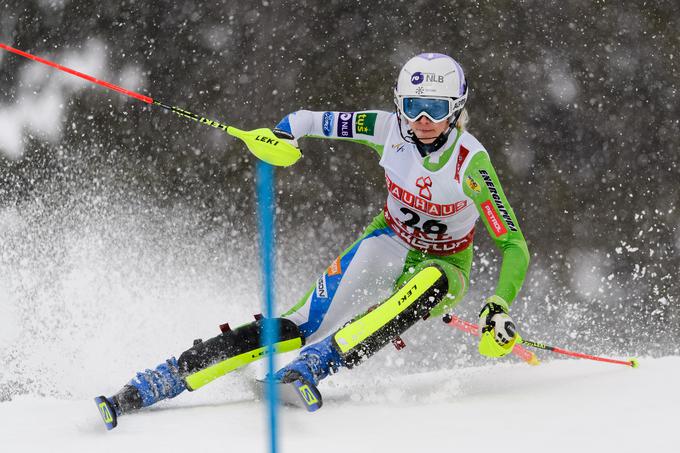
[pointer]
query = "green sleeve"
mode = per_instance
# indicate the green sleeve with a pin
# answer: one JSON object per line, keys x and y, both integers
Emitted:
{"x": 482, "y": 186}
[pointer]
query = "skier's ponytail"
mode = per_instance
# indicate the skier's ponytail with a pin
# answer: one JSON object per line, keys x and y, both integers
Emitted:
{"x": 463, "y": 120}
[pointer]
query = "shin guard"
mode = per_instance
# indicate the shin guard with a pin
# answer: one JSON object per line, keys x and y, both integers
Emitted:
{"x": 364, "y": 336}
{"x": 208, "y": 360}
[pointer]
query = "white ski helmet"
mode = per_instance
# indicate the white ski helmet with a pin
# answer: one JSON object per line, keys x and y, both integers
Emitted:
{"x": 431, "y": 84}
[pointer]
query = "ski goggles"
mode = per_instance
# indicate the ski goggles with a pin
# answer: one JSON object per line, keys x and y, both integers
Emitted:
{"x": 435, "y": 109}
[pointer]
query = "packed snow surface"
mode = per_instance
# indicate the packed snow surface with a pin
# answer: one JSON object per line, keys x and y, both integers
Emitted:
{"x": 558, "y": 406}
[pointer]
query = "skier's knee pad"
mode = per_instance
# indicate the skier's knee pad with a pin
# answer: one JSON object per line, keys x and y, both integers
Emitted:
{"x": 365, "y": 335}
{"x": 210, "y": 359}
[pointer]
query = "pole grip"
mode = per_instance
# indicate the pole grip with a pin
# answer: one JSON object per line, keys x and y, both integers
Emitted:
{"x": 473, "y": 329}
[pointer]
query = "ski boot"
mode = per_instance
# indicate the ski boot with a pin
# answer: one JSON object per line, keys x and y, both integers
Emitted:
{"x": 298, "y": 380}
{"x": 197, "y": 366}
{"x": 145, "y": 389}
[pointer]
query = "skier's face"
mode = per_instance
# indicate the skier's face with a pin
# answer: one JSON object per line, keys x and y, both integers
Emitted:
{"x": 426, "y": 130}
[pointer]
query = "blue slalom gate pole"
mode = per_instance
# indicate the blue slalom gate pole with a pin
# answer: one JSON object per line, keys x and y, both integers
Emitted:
{"x": 266, "y": 212}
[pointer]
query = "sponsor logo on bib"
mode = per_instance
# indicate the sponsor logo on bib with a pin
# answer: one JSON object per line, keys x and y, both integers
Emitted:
{"x": 433, "y": 243}
{"x": 424, "y": 185}
{"x": 421, "y": 204}
{"x": 462, "y": 155}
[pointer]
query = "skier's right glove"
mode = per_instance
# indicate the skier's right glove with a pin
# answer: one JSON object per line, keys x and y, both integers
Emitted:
{"x": 498, "y": 333}
{"x": 287, "y": 137}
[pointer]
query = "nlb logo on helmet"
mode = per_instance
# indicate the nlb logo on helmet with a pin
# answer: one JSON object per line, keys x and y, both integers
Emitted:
{"x": 419, "y": 77}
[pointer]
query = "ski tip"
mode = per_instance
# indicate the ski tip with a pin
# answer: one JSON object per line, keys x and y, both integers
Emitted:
{"x": 295, "y": 392}
{"x": 634, "y": 363}
{"x": 107, "y": 412}
{"x": 310, "y": 395}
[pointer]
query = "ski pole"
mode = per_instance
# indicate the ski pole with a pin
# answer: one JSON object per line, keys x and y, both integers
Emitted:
{"x": 633, "y": 363}
{"x": 471, "y": 328}
{"x": 529, "y": 356}
{"x": 261, "y": 142}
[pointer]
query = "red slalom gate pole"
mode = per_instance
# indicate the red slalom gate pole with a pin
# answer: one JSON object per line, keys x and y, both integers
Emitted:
{"x": 468, "y": 327}
{"x": 633, "y": 363}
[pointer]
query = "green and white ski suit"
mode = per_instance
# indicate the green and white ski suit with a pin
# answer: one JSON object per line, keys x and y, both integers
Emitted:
{"x": 432, "y": 206}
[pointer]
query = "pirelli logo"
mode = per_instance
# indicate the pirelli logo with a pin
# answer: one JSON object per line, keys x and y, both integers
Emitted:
{"x": 497, "y": 201}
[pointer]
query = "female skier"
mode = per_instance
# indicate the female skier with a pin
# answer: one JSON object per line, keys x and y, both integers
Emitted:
{"x": 411, "y": 262}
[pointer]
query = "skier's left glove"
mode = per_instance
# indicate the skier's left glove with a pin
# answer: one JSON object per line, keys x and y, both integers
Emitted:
{"x": 286, "y": 137}
{"x": 497, "y": 330}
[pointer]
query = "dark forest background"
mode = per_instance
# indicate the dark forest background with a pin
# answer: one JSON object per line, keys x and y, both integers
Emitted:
{"x": 577, "y": 102}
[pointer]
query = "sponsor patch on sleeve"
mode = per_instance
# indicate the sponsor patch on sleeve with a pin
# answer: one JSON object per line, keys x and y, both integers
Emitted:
{"x": 327, "y": 123}
{"x": 335, "y": 268}
{"x": 365, "y": 123}
{"x": 493, "y": 218}
{"x": 472, "y": 184}
{"x": 345, "y": 125}
{"x": 321, "y": 288}
{"x": 497, "y": 200}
